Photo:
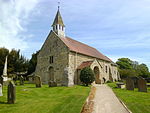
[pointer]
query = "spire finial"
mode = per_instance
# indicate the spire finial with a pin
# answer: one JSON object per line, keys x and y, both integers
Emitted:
{"x": 58, "y": 5}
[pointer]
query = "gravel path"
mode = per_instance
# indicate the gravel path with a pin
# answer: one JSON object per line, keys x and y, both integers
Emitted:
{"x": 105, "y": 101}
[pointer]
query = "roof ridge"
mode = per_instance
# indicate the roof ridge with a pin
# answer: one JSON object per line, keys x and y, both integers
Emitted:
{"x": 81, "y": 43}
{"x": 84, "y": 49}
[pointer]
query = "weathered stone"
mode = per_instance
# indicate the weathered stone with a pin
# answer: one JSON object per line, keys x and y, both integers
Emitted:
{"x": 129, "y": 84}
{"x": 1, "y": 93}
{"x": 52, "y": 84}
{"x": 38, "y": 82}
{"x": 55, "y": 54}
{"x": 1, "y": 80}
{"x": 21, "y": 80}
{"x": 135, "y": 80}
{"x": 142, "y": 86}
{"x": 11, "y": 93}
{"x": 120, "y": 85}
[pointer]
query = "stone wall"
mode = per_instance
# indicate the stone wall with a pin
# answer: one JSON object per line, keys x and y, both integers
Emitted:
{"x": 75, "y": 59}
{"x": 53, "y": 46}
{"x": 65, "y": 63}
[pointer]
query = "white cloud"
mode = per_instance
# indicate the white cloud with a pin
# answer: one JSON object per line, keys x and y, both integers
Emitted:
{"x": 13, "y": 15}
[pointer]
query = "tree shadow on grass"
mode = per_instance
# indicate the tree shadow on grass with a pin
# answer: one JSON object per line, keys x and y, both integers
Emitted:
{"x": 33, "y": 87}
{"x": 1, "y": 102}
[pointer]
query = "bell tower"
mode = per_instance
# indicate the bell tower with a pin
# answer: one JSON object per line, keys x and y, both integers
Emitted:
{"x": 58, "y": 25}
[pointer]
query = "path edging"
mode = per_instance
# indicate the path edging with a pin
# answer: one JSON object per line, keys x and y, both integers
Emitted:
{"x": 121, "y": 102}
{"x": 89, "y": 103}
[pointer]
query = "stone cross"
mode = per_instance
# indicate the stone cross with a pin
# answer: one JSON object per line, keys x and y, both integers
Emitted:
{"x": 129, "y": 84}
{"x": 38, "y": 82}
{"x": 1, "y": 93}
{"x": 11, "y": 93}
{"x": 21, "y": 80}
{"x": 142, "y": 86}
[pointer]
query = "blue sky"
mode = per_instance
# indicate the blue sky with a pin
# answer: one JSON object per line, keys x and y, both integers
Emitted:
{"x": 117, "y": 28}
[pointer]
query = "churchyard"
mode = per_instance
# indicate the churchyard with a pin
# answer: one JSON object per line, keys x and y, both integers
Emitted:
{"x": 137, "y": 102}
{"x": 32, "y": 99}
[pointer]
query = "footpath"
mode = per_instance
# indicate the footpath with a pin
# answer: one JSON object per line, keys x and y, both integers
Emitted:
{"x": 105, "y": 101}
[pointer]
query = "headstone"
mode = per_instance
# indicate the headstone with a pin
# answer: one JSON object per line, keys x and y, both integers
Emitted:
{"x": 21, "y": 80}
{"x": 120, "y": 85}
{"x": 52, "y": 84}
{"x": 129, "y": 84}
{"x": 135, "y": 80}
{"x": 38, "y": 82}
{"x": 1, "y": 93}
{"x": 1, "y": 80}
{"x": 142, "y": 85}
{"x": 11, "y": 93}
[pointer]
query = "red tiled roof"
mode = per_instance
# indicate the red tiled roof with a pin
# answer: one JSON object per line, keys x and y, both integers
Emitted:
{"x": 85, "y": 64}
{"x": 83, "y": 49}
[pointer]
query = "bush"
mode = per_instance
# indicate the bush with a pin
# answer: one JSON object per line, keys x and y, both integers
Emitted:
{"x": 87, "y": 75}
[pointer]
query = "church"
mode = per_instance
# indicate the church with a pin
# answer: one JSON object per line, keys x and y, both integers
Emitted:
{"x": 62, "y": 58}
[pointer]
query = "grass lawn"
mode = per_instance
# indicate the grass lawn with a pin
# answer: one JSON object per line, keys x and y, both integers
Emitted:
{"x": 137, "y": 102}
{"x": 45, "y": 100}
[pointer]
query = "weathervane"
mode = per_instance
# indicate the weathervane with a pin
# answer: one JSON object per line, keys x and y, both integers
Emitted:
{"x": 58, "y": 5}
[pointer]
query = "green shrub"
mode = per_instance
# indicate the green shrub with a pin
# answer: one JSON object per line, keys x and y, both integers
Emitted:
{"x": 87, "y": 76}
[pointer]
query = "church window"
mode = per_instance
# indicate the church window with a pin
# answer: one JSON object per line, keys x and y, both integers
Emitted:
{"x": 56, "y": 27}
{"x": 51, "y": 59}
{"x": 62, "y": 28}
{"x": 106, "y": 69}
{"x": 59, "y": 27}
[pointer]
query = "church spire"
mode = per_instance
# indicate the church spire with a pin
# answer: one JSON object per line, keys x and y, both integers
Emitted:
{"x": 58, "y": 25}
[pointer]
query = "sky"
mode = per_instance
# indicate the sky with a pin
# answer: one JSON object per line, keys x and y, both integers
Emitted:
{"x": 117, "y": 28}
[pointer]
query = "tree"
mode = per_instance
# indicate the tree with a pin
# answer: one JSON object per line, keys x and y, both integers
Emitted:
{"x": 87, "y": 75}
{"x": 32, "y": 63}
{"x": 3, "y": 53}
{"x": 16, "y": 61}
{"x": 143, "y": 71}
{"x": 124, "y": 73}
{"x": 124, "y": 63}
{"x": 128, "y": 67}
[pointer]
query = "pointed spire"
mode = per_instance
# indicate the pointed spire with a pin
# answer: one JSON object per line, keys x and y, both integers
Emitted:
{"x": 58, "y": 19}
{"x": 5, "y": 68}
{"x": 58, "y": 25}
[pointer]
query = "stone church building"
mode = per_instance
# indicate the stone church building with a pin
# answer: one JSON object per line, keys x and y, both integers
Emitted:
{"x": 62, "y": 58}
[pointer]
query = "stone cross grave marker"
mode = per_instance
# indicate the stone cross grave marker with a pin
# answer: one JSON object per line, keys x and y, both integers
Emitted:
{"x": 129, "y": 84}
{"x": 11, "y": 93}
{"x": 21, "y": 80}
{"x": 1, "y": 93}
{"x": 142, "y": 86}
{"x": 38, "y": 81}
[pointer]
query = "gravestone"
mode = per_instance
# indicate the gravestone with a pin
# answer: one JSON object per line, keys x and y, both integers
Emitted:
{"x": 129, "y": 84}
{"x": 38, "y": 81}
{"x": 11, "y": 93}
{"x": 120, "y": 85}
{"x": 1, "y": 80}
{"x": 135, "y": 80}
{"x": 52, "y": 84}
{"x": 142, "y": 85}
{"x": 21, "y": 80}
{"x": 1, "y": 93}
